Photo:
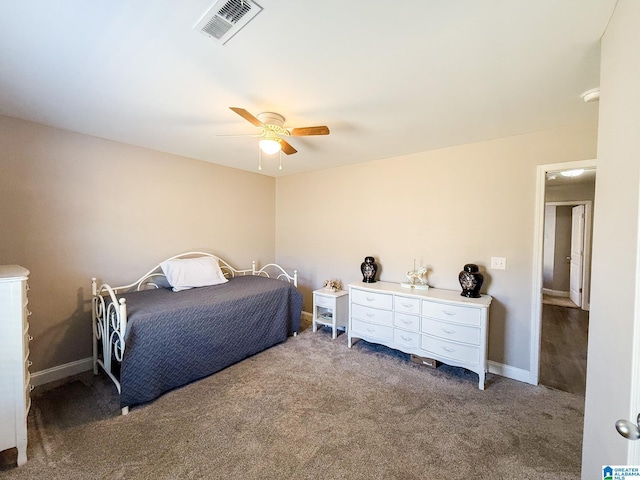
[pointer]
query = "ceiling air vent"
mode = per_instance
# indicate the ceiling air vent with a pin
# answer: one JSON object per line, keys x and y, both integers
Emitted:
{"x": 225, "y": 18}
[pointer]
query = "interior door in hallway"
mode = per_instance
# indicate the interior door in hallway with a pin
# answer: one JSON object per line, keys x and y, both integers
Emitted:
{"x": 577, "y": 254}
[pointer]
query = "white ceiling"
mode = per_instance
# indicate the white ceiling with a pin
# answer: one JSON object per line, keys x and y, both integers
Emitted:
{"x": 388, "y": 78}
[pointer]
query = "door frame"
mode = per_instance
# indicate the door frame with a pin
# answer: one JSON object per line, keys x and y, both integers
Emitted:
{"x": 633, "y": 448}
{"x": 538, "y": 242}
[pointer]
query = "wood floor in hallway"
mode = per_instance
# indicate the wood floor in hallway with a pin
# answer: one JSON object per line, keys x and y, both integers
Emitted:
{"x": 563, "y": 353}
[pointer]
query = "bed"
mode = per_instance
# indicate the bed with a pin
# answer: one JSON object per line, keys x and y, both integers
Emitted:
{"x": 180, "y": 322}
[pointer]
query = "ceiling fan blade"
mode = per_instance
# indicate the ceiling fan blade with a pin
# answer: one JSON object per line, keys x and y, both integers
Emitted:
{"x": 247, "y": 116}
{"x": 287, "y": 148}
{"x": 303, "y": 131}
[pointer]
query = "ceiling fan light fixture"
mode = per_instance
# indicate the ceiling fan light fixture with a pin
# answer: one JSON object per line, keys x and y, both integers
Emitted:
{"x": 270, "y": 146}
{"x": 591, "y": 95}
{"x": 572, "y": 173}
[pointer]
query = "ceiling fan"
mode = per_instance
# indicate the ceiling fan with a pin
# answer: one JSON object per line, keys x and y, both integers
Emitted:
{"x": 273, "y": 131}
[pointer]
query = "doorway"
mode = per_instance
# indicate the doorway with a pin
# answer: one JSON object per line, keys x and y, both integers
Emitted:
{"x": 560, "y": 327}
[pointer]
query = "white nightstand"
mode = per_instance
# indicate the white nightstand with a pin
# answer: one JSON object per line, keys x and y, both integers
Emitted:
{"x": 331, "y": 309}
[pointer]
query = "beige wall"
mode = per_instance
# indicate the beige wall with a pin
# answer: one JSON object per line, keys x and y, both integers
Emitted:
{"x": 615, "y": 275}
{"x": 444, "y": 208}
{"x": 75, "y": 206}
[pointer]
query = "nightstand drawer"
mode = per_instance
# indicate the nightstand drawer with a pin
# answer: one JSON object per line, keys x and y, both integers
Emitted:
{"x": 381, "y": 317}
{"x": 407, "y": 322}
{"x": 406, "y": 305}
{"x": 451, "y": 313}
{"x": 379, "y": 332}
{"x": 370, "y": 299}
{"x": 324, "y": 301}
{"x": 454, "y": 351}
{"x": 451, "y": 331}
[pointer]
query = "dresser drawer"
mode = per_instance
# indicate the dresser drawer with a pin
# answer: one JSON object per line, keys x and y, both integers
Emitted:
{"x": 27, "y": 375}
{"x": 374, "y": 315}
{"x": 455, "y": 351}
{"x": 451, "y": 313}
{"x": 407, "y": 322}
{"x": 324, "y": 301}
{"x": 379, "y": 332}
{"x": 407, "y": 339}
{"x": 406, "y": 305}
{"x": 370, "y": 299}
{"x": 25, "y": 318}
{"x": 451, "y": 331}
{"x": 26, "y": 338}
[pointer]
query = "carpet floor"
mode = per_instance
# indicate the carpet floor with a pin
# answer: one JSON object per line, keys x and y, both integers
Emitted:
{"x": 309, "y": 408}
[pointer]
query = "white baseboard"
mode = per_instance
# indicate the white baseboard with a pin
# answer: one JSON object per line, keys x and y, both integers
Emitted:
{"x": 507, "y": 371}
{"x": 61, "y": 371}
{"x": 307, "y": 317}
{"x": 555, "y": 293}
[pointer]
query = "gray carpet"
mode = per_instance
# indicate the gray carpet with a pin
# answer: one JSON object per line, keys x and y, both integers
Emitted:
{"x": 308, "y": 409}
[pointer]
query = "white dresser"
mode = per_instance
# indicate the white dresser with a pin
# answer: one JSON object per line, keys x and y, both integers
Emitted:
{"x": 14, "y": 357}
{"x": 436, "y": 323}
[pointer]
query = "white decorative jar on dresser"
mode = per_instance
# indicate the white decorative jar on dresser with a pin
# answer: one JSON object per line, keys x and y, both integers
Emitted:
{"x": 435, "y": 323}
{"x": 15, "y": 390}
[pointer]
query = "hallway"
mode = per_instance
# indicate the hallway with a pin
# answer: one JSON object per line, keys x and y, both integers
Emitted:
{"x": 563, "y": 354}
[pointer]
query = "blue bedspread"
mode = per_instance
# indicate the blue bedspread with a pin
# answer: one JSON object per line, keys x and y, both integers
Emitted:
{"x": 174, "y": 338}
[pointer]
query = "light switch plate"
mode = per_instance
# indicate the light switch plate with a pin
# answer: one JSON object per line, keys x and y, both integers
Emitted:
{"x": 498, "y": 263}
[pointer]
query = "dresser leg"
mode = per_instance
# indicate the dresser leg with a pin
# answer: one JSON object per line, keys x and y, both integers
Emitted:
{"x": 22, "y": 455}
{"x": 481, "y": 380}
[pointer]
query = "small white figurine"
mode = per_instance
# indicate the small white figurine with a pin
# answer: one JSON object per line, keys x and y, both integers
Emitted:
{"x": 419, "y": 276}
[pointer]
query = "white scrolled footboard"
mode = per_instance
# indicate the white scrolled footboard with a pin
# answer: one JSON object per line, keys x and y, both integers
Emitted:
{"x": 109, "y": 317}
{"x": 109, "y": 312}
{"x": 276, "y": 271}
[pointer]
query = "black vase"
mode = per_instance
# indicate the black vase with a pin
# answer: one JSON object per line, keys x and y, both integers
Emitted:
{"x": 369, "y": 268}
{"x": 471, "y": 281}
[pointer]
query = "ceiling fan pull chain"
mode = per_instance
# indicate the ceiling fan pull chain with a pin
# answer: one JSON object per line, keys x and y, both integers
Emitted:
{"x": 259, "y": 158}
{"x": 280, "y": 166}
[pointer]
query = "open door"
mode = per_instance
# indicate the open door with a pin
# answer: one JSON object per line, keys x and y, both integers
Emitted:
{"x": 577, "y": 254}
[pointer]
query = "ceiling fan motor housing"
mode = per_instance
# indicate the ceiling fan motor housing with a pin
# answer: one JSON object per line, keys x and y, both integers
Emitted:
{"x": 273, "y": 122}
{"x": 271, "y": 118}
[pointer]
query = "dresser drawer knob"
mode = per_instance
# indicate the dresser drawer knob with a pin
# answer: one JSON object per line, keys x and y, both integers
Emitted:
{"x": 371, "y": 299}
{"x": 407, "y": 305}
{"x": 371, "y": 315}
{"x": 406, "y": 339}
{"x": 407, "y": 322}
{"x": 448, "y": 332}
{"x": 371, "y": 330}
{"x": 448, "y": 349}
{"x": 446, "y": 312}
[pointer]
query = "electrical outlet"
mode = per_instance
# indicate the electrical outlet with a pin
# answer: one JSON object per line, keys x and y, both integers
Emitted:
{"x": 498, "y": 263}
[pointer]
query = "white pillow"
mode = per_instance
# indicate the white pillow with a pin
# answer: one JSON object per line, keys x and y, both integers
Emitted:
{"x": 186, "y": 273}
